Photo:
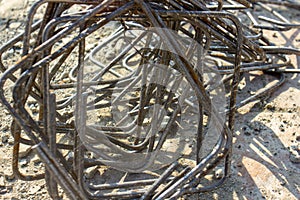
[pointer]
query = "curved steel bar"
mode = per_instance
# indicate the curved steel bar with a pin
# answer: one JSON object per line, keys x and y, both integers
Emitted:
{"x": 229, "y": 49}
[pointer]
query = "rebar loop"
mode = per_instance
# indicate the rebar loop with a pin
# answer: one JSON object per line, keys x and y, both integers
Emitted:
{"x": 136, "y": 99}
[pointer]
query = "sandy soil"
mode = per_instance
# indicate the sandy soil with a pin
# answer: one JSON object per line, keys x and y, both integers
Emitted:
{"x": 266, "y": 163}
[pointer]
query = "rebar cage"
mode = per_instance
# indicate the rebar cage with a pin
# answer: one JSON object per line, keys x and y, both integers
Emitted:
{"x": 142, "y": 93}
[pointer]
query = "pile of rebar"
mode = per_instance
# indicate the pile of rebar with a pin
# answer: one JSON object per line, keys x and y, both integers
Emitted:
{"x": 142, "y": 93}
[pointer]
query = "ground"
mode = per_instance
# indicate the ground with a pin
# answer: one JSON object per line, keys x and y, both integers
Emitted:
{"x": 266, "y": 163}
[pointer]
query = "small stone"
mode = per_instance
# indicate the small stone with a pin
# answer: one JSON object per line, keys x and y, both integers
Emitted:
{"x": 2, "y": 181}
{"x": 91, "y": 46}
{"x": 34, "y": 189}
{"x": 5, "y": 139}
{"x": 66, "y": 80}
{"x": 15, "y": 25}
{"x": 219, "y": 173}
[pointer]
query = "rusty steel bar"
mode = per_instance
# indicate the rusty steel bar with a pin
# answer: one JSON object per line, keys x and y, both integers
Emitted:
{"x": 133, "y": 102}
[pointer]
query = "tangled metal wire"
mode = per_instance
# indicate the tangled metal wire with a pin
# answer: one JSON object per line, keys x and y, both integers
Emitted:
{"x": 153, "y": 101}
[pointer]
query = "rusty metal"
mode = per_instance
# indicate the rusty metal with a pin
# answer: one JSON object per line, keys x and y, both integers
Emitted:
{"x": 53, "y": 74}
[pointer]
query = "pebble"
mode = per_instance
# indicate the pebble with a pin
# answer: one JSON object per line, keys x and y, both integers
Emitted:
{"x": 91, "y": 46}
{"x": 15, "y": 25}
{"x": 2, "y": 181}
{"x": 5, "y": 139}
{"x": 219, "y": 173}
{"x": 34, "y": 189}
{"x": 66, "y": 80}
